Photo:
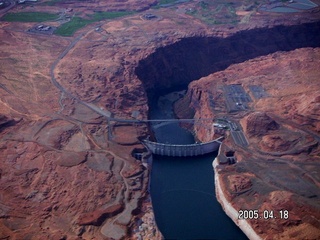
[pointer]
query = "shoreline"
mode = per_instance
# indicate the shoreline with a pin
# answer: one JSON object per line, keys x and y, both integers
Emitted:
{"x": 146, "y": 226}
{"x": 229, "y": 209}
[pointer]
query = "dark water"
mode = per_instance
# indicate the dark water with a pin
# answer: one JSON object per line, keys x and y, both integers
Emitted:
{"x": 183, "y": 194}
{"x": 184, "y": 201}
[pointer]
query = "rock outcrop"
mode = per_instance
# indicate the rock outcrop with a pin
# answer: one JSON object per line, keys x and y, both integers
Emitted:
{"x": 258, "y": 124}
{"x": 5, "y": 121}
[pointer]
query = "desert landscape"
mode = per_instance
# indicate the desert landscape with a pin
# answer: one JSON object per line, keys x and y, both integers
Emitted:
{"x": 68, "y": 67}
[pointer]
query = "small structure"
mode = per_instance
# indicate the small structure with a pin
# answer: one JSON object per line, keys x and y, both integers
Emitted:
{"x": 226, "y": 155}
{"x": 23, "y": 1}
{"x": 138, "y": 153}
{"x": 219, "y": 125}
{"x": 230, "y": 157}
{"x": 43, "y": 29}
{"x": 3, "y": 4}
{"x": 149, "y": 16}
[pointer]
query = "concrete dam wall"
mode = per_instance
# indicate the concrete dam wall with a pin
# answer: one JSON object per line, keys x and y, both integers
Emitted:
{"x": 185, "y": 150}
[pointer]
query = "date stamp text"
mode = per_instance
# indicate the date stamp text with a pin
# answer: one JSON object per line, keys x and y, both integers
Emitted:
{"x": 265, "y": 214}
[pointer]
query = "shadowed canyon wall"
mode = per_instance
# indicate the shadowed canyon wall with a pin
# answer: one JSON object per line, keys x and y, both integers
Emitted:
{"x": 176, "y": 65}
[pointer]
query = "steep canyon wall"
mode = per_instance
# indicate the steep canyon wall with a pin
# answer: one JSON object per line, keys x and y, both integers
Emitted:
{"x": 191, "y": 58}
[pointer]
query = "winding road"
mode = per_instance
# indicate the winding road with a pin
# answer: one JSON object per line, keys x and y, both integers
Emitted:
{"x": 109, "y": 228}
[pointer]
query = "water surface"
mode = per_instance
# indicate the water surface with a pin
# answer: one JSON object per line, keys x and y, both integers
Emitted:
{"x": 184, "y": 201}
{"x": 183, "y": 192}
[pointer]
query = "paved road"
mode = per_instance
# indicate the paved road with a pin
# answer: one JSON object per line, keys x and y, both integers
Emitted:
{"x": 239, "y": 138}
{"x": 237, "y": 134}
{"x": 5, "y": 10}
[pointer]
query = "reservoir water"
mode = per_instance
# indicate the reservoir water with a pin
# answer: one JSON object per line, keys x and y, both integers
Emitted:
{"x": 182, "y": 189}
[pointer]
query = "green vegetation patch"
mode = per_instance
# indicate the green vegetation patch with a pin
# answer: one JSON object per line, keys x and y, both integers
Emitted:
{"x": 212, "y": 12}
{"x": 98, "y": 16}
{"x": 55, "y": 2}
{"x": 29, "y": 17}
{"x": 166, "y": 1}
{"x": 69, "y": 28}
{"x": 51, "y": 3}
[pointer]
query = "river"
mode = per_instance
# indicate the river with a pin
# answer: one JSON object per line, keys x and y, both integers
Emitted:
{"x": 182, "y": 189}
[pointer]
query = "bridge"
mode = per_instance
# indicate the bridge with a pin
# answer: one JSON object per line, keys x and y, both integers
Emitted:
{"x": 182, "y": 150}
{"x": 156, "y": 123}
{"x": 174, "y": 150}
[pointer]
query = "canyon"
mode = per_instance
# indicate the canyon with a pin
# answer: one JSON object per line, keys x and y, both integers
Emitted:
{"x": 280, "y": 146}
{"x": 61, "y": 175}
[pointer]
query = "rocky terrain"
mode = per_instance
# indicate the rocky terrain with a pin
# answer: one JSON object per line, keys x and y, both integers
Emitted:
{"x": 66, "y": 173}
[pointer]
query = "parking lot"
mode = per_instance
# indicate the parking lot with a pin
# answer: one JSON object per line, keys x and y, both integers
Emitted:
{"x": 236, "y": 98}
{"x": 258, "y": 91}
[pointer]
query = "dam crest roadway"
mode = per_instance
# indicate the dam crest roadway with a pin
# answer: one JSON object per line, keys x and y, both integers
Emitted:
{"x": 173, "y": 150}
{"x": 182, "y": 150}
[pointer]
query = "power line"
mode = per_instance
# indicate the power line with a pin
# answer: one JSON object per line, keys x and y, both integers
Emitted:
{"x": 159, "y": 120}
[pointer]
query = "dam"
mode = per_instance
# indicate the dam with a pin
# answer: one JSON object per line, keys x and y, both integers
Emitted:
{"x": 182, "y": 150}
